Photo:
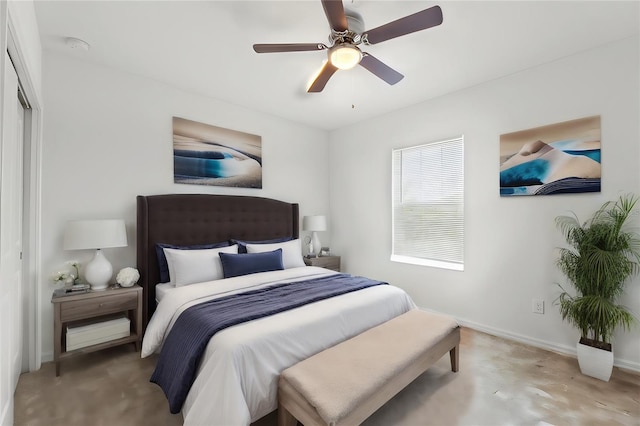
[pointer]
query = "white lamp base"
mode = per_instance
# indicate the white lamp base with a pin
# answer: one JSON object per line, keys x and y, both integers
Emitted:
{"x": 98, "y": 272}
{"x": 315, "y": 243}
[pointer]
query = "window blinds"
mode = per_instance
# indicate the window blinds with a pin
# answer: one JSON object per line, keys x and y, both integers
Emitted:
{"x": 428, "y": 204}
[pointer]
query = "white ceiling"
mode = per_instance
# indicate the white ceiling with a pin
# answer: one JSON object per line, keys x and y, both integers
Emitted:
{"x": 206, "y": 47}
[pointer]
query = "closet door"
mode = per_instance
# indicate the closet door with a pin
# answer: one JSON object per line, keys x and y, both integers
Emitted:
{"x": 11, "y": 195}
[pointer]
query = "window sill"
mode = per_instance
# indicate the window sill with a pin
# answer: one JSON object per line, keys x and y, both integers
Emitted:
{"x": 427, "y": 262}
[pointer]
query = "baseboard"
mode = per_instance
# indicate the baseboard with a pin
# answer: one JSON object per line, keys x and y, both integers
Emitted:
{"x": 538, "y": 343}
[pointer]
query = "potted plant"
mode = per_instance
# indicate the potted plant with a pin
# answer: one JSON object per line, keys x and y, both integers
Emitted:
{"x": 604, "y": 254}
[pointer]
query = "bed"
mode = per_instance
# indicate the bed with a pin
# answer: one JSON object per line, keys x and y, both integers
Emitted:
{"x": 236, "y": 378}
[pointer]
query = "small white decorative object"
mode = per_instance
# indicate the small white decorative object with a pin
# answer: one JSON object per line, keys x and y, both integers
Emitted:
{"x": 59, "y": 278}
{"x": 75, "y": 264}
{"x": 127, "y": 277}
{"x": 64, "y": 279}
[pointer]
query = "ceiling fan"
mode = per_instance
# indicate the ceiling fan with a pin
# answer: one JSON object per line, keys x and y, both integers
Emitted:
{"x": 347, "y": 33}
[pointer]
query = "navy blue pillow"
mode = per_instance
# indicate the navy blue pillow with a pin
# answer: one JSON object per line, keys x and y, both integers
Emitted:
{"x": 242, "y": 244}
{"x": 163, "y": 266}
{"x": 234, "y": 265}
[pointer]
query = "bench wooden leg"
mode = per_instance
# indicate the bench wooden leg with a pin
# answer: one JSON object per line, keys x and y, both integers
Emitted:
{"x": 454, "y": 354}
{"x": 285, "y": 418}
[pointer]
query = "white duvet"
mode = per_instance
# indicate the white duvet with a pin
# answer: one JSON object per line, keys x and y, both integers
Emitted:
{"x": 237, "y": 380}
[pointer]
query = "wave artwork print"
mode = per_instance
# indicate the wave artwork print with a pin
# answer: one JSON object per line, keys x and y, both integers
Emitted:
{"x": 555, "y": 159}
{"x": 209, "y": 155}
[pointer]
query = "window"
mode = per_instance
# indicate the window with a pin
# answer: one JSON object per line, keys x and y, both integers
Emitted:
{"x": 428, "y": 204}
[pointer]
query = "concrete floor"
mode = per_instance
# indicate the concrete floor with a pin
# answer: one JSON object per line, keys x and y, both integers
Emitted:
{"x": 499, "y": 383}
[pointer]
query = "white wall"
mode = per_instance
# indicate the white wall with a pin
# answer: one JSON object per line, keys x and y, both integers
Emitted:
{"x": 108, "y": 138}
{"x": 509, "y": 242}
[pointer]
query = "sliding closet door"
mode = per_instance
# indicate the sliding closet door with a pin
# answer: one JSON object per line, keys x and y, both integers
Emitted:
{"x": 11, "y": 195}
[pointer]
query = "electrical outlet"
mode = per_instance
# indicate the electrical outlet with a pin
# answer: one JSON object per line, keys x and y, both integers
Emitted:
{"x": 537, "y": 306}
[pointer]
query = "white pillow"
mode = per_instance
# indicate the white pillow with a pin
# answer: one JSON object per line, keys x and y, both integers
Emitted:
{"x": 291, "y": 252}
{"x": 195, "y": 266}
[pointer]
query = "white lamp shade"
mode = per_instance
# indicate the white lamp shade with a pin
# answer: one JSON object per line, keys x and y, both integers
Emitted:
{"x": 314, "y": 223}
{"x": 94, "y": 234}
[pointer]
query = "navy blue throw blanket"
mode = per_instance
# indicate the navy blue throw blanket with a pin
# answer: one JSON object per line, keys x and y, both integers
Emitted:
{"x": 183, "y": 348}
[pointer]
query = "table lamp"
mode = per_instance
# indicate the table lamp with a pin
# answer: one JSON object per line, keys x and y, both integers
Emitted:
{"x": 96, "y": 234}
{"x": 314, "y": 224}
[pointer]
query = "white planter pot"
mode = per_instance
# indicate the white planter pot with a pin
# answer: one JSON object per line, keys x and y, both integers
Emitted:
{"x": 595, "y": 362}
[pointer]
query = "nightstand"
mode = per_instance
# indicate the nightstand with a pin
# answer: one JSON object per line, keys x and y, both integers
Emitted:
{"x": 329, "y": 262}
{"x": 95, "y": 306}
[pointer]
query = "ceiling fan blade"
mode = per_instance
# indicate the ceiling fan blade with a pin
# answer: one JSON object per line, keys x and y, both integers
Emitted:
{"x": 380, "y": 69}
{"x": 323, "y": 77}
{"x": 335, "y": 14}
{"x": 288, "y": 47}
{"x": 409, "y": 24}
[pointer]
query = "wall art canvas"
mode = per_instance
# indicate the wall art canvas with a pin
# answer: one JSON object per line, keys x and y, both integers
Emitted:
{"x": 555, "y": 159}
{"x": 209, "y": 155}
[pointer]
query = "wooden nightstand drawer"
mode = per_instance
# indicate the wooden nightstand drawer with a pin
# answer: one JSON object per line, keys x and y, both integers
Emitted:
{"x": 329, "y": 262}
{"x": 79, "y": 309}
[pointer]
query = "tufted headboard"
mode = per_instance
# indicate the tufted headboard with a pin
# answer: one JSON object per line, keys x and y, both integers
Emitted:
{"x": 186, "y": 219}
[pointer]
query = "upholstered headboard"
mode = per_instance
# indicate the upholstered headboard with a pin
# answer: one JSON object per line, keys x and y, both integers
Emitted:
{"x": 186, "y": 219}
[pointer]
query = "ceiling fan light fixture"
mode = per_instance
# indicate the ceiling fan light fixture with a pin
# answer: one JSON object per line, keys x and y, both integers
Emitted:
{"x": 347, "y": 33}
{"x": 345, "y": 56}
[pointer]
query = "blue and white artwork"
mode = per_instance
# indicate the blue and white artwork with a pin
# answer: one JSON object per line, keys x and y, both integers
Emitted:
{"x": 555, "y": 159}
{"x": 209, "y": 155}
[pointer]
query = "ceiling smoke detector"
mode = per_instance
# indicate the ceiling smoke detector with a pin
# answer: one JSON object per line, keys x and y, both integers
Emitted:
{"x": 77, "y": 44}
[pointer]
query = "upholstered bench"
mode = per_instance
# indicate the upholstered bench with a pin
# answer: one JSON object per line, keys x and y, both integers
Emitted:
{"x": 345, "y": 384}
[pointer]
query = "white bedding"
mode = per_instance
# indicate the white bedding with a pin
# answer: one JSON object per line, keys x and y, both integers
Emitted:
{"x": 237, "y": 379}
{"x": 162, "y": 289}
